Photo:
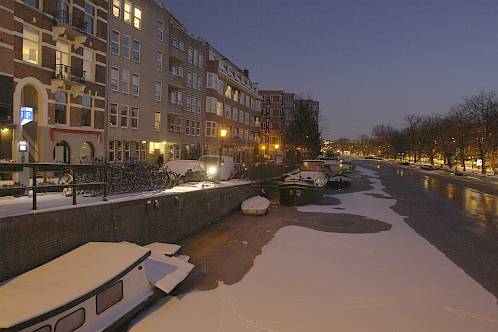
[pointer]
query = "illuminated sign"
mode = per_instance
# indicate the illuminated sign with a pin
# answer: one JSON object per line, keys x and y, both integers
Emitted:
{"x": 26, "y": 115}
{"x": 23, "y": 146}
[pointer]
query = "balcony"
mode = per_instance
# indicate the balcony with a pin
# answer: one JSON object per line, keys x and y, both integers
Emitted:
{"x": 73, "y": 27}
{"x": 177, "y": 54}
{"x": 176, "y": 81}
{"x": 69, "y": 78}
{"x": 175, "y": 108}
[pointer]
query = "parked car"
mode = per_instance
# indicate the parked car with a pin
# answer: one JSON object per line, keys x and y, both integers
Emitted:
{"x": 187, "y": 170}
{"x": 216, "y": 170}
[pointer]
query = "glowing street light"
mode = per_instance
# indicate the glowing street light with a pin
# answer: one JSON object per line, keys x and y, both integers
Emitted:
{"x": 277, "y": 146}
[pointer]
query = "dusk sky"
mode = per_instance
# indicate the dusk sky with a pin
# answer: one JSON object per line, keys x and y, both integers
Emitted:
{"x": 367, "y": 62}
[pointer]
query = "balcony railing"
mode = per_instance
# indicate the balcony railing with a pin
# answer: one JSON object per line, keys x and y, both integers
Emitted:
{"x": 68, "y": 73}
{"x": 65, "y": 19}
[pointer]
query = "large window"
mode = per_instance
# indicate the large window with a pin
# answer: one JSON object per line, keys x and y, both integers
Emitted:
{"x": 235, "y": 114}
{"x": 125, "y": 81}
{"x": 157, "y": 90}
{"x": 60, "y": 107}
{"x": 115, "y": 79}
{"x": 127, "y": 12}
{"x": 137, "y": 19}
{"x": 71, "y": 322}
{"x": 136, "y": 51}
{"x": 159, "y": 61}
{"x": 134, "y": 118}
{"x": 86, "y": 111}
{"x": 276, "y": 99}
{"x": 123, "y": 116}
{"x": 115, "y": 42}
{"x": 211, "y": 80}
{"x": 125, "y": 46}
{"x": 210, "y": 104}
{"x": 88, "y": 64}
{"x": 89, "y": 18}
{"x": 160, "y": 30}
{"x": 157, "y": 120}
{"x": 113, "y": 115}
{"x": 135, "y": 84}
{"x": 116, "y": 8}
{"x": 210, "y": 128}
{"x": 30, "y": 45}
{"x": 32, "y": 3}
{"x": 109, "y": 297}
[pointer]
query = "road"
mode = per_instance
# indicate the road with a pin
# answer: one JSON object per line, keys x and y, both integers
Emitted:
{"x": 394, "y": 252}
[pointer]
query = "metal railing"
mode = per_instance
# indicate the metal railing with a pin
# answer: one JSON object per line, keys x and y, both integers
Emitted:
{"x": 64, "y": 18}
{"x": 68, "y": 73}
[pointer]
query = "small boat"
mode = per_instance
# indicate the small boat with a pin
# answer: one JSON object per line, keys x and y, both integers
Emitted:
{"x": 339, "y": 181}
{"x": 303, "y": 188}
{"x": 255, "y": 206}
{"x": 94, "y": 287}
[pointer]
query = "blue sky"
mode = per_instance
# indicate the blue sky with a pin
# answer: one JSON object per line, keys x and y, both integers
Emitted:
{"x": 367, "y": 61}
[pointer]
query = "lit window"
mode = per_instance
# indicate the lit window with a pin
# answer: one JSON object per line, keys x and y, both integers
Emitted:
{"x": 157, "y": 120}
{"x": 71, "y": 322}
{"x": 30, "y": 45}
{"x": 134, "y": 117}
{"x": 127, "y": 12}
{"x": 123, "y": 116}
{"x": 125, "y": 46}
{"x": 125, "y": 81}
{"x": 115, "y": 79}
{"x": 113, "y": 115}
{"x": 109, "y": 297}
{"x": 116, "y": 8}
{"x": 136, "y": 51}
{"x": 137, "y": 20}
{"x": 115, "y": 42}
{"x": 135, "y": 84}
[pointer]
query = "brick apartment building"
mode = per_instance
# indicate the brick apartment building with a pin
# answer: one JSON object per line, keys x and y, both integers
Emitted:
{"x": 272, "y": 120}
{"x": 232, "y": 103}
{"x": 53, "y": 65}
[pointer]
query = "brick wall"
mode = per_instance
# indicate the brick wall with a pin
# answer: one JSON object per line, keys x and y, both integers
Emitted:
{"x": 33, "y": 239}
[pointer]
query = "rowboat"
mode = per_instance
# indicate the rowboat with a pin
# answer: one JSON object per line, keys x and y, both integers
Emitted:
{"x": 255, "y": 206}
{"x": 94, "y": 287}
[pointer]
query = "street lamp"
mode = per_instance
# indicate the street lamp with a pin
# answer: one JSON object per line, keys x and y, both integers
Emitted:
{"x": 223, "y": 134}
{"x": 277, "y": 146}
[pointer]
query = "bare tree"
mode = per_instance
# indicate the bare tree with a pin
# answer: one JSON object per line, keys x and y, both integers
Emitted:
{"x": 413, "y": 132}
{"x": 460, "y": 121}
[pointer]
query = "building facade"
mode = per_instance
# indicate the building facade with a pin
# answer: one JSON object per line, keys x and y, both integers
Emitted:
{"x": 233, "y": 104}
{"x": 272, "y": 120}
{"x": 53, "y": 75}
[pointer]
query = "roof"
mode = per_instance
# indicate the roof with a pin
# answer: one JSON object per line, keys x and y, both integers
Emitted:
{"x": 65, "y": 279}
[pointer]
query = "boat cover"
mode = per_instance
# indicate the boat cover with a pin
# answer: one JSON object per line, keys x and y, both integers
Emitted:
{"x": 167, "y": 249}
{"x": 166, "y": 272}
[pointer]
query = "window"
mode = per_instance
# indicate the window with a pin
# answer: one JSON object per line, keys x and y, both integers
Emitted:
{"x": 219, "y": 86}
{"x": 181, "y": 45}
{"x": 275, "y": 112}
{"x": 60, "y": 107}
{"x": 30, "y": 45}
{"x": 125, "y": 46}
{"x": 190, "y": 55}
{"x": 111, "y": 150}
{"x": 178, "y": 125}
{"x": 176, "y": 97}
{"x": 123, "y": 116}
{"x": 136, "y": 51}
{"x": 201, "y": 60}
{"x": 192, "y": 127}
{"x": 235, "y": 114}
{"x": 194, "y": 104}
{"x": 160, "y": 30}
{"x": 113, "y": 115}
{"x": 211, "y": 105}
{"x": 236, "y": 96}
{"x": 115, "y": 79}
{"x": 228, "y": 92}
{"x": 116, "y": 8}
{"x": 137, "y": 20}
{"x": 246, "y": 121}
{"x": 210, "y": 128}
{"x": 89, "y": 18}
{"x": 86, "y": 111}
{"x": 46, "y": 328}
{"x": 188, "y": 102}
{"x": 134, "y": 117}
{"x": 115, "y": 42}
{"x": 187, "y": 127}
{"x": 242, "y": 98}
{"x": 71, "y": 322}
{"x": 189, "y": 79}
{"x": 88, "y": 64}
{"x": 275, "y": 99}
{"x": 196, "y": 57}
{"x": 219, "y": 108}
{"x": 228, "y": 111}
{"x": 159, "y": 61}
{"x": 158, "y": 88}
{"x": 125, "y": 81}
{"x": 127, "y": 12}
{"x": 109, "y": 297}
{"x": 32, "y": 3}
{"x": 62, "y": 57}
{"x": 176, "y": 71}
{"x": 241, "y": 116}
{"x": 157, "y": 120}
{"x": 198, "y": 128}
{"x": 211, "y": 80}
{"x": 135, "y": 84}
{"x": 199, "y": 105}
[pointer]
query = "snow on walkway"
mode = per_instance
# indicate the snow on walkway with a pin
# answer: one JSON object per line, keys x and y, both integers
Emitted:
{"x": 306, "y": 280}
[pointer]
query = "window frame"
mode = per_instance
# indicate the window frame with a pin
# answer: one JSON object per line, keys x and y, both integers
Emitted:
{"x": 134, "y": 117}
{"x": 158, "y": 93}
{"x": 127, "y": 48}
{"x": 127, "y": 107}
{"x": 136, "y": 51}
{"x": 137, "y": 19}
{"x": 116, "y": 114}
{"x": 135, "y": 75}
{"x": 127, "y": 91}
{"x": 38, "y": 44}
{"x": 117, "y": 43}
{"x": 117, "y": 80}
{"x": 73, "y": 312}
{"x": 120, "y": 282}
{"x": 118, "y": 7}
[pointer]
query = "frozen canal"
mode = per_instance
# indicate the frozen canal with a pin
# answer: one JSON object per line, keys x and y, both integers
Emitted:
{"x": 319, "y": 279}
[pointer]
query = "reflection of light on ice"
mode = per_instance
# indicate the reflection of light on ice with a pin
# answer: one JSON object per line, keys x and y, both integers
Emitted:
{"x": 307, "y": 280}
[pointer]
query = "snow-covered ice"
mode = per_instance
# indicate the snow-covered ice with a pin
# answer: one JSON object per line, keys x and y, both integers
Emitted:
{"x": 307, "y": 280}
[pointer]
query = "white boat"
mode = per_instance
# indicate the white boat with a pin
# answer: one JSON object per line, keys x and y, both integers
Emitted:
{"x": 303, "y": 188}
{"x": 339, "y": 181}
{"x": 91, "y": 288}
{"x": 255, "y": 206}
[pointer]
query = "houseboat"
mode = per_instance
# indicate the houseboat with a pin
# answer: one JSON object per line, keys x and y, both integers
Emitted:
{"x": 94, "y": 287}
{"x": 303, "y": 188}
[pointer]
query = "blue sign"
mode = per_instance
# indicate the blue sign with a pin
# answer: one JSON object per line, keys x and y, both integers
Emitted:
{"x": 26, "y": 115}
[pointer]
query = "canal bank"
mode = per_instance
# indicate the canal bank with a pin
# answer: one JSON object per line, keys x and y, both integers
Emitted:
{"x": 31, "y": 239}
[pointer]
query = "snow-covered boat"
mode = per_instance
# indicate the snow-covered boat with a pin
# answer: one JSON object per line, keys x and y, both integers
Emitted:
{"x": 91, "y": 288}
{"x": 303, "y": 188}
{"x": 339, "y": 181}
{"x": 255, "y": 206}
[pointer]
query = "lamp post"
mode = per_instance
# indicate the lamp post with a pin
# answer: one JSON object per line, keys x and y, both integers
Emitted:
{"x": 223, "y": 134}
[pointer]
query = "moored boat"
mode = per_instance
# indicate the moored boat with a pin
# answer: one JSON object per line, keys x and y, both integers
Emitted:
{"x": 339, "y": 181}
{"x": 255, "y": 206}
{"x": 91, "y": 288}
{"x": 303, "y": 188}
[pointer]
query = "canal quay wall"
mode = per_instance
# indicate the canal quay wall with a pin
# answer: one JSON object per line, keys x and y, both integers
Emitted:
{"x": 29, "y": 240}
